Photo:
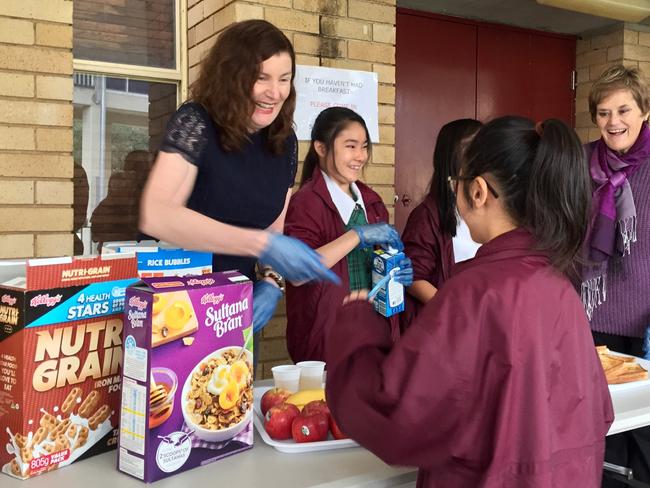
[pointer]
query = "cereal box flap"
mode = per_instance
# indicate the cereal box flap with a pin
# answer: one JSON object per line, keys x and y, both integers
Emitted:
{"x": 129, "y": 246}
{"x": 171, "y": 283}
{"x": 74, "y": 271}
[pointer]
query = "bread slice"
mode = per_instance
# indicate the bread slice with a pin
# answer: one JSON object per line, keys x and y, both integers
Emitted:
{"x": 625, "y": 359}
{"x": 630, "y": 372}
{"x": 611, "y": 363}
{"x": 620, "y": 368}
{"x": 602, "y": 349}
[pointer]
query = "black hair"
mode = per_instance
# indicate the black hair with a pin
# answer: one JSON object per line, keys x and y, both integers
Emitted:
{"x": 329, "y": 123}
{"x": 446, "y": 162}
{"x": 542, "y": 177}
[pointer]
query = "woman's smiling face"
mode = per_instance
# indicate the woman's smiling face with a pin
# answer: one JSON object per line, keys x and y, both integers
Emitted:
{"x": 619, "y": 119}
{"x": 271, "y": 89}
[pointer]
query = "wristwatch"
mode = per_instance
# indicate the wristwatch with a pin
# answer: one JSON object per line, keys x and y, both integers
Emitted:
{"x": 275, "y": 276}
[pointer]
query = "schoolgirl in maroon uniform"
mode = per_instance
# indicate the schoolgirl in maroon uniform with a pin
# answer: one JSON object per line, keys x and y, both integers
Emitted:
{"x": 497, "y": 383}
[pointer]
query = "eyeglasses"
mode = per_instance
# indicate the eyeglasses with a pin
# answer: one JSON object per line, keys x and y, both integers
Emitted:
{"x": 453, "y": 184}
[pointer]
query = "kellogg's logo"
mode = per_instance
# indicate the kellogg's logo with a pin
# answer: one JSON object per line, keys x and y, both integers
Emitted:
{"x": 211, "y": 298}
{"x": 46, "y": 300}
{"x": 8, "y": 299}
{"x": 137, "y": 302}
{"x": 203, "y": 282}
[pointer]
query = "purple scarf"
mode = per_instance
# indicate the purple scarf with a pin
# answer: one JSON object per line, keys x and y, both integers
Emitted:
{"x": 613, "y": 227}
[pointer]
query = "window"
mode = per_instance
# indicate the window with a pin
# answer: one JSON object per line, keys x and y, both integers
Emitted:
{"x": 136, "y": 32}
{"x": 128, "y": 80}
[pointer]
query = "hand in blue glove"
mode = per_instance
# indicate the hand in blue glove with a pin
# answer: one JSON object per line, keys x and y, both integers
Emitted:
{"x": 405, "y": 274}
{"x": 265, "y": 298}
{"x": 295, "y": 260}
{"x": 378, "y": 234}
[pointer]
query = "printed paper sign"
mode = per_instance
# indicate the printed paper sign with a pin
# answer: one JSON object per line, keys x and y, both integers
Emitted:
{"x": 318, "y": 88}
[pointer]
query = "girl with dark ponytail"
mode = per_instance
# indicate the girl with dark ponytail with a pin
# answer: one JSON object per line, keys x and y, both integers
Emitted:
{"x": 342, "y": 219}
{"x": 434, "y": 236}
{"x": 496, "y": 383}
{"x": 541, "y": 186}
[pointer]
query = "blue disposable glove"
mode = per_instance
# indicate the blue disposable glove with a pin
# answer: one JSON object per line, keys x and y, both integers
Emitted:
{"x": 378, "y": 234}
{"x": 265, "y": 298}
{"x": 646, "y": 343}
{"x": 405, "y": 274}
{"x": 295, "y": 260}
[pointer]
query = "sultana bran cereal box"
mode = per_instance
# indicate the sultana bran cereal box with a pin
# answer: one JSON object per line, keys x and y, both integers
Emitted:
{"x": 60, "y": 359}
{"x": 187, "y": 388}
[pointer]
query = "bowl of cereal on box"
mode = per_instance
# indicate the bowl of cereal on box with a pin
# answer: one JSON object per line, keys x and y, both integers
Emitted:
{"x": 217, "y": 396}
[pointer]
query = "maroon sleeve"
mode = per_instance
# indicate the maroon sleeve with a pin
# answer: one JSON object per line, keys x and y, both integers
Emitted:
{"x": 302, "y": 220}
{"x": 421, "y": 245}
{"x": 405, "y": 403}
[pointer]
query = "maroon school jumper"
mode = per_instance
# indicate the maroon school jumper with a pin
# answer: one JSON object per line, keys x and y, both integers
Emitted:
{"x": 431, "y": 250}
{"x": 496, "y": 384}
{"x": 313, "y": 218}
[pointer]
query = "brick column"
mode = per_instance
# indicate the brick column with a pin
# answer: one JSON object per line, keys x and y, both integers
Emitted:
{"x": 36, "y": 166}
{"x": 348, "y": 34}
{"x": 627, "y": 44}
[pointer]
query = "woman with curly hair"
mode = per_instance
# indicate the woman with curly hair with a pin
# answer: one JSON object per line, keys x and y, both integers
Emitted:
{"x": 223, "y": 177}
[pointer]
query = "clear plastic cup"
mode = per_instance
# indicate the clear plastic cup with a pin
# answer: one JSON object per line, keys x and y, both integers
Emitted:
{"x": 286, "y": 376}
{"x": 311, "y": 374}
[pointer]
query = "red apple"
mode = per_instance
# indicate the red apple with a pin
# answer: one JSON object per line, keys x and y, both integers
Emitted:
{"x": 273, "y": 397}
{"x": 310, "y": 427}
{"x": 279, "y": 419}
{"x": 336, "y": 431}
{"x": 319, "y": 406}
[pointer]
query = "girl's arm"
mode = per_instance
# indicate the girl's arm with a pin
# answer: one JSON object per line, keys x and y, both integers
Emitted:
{"x": 336, "y": 250}
{"x": 278, "y": 225}
{"x": 422, "y": 290}
{"x": 163, "y": 213}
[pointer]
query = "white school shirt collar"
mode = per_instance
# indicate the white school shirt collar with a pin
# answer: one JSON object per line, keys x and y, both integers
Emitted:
{"x": 464, "y": 247}
{"x": 342, "y": 201}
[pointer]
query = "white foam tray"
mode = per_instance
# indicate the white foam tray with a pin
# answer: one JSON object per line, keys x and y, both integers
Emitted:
{"x": 289, "y": 446}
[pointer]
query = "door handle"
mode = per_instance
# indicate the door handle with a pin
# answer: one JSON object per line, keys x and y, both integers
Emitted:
{"x": 406, "y": 200}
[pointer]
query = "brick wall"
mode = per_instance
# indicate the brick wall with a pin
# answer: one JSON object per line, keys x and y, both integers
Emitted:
{"x": 36, "y": 167}
{"x": 348, "y": 34}
{"x": 624, "y": 44}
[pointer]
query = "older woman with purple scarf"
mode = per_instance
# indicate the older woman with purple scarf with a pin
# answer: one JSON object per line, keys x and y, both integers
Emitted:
{"x": 616, "y": 280}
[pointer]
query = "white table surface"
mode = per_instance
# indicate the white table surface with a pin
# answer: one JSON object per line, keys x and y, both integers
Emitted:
{"x": 631, "y": 408}
{"x": 263, "y": 466}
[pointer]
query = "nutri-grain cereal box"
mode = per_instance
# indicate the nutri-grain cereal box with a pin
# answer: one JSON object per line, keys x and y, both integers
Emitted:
{"x": 187, "y": 389}
{"x": 60, "y": 359}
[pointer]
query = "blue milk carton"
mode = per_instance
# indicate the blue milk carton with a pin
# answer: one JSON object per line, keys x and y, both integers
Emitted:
{"x": 390, "y": 297}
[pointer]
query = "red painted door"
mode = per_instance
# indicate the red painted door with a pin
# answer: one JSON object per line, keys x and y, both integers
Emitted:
{"x": 502, "y": 58}
{"x": 435, "y": 83}
{"x": 449, "y": 68}
{"x": 526, "y": 73}
{"x": 552, "y": 94}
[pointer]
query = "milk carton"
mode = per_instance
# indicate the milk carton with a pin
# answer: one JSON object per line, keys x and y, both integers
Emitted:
{"x": 188, "y": 373}
{"x": 60, "y": 359}
{"x": 389, "y": 300}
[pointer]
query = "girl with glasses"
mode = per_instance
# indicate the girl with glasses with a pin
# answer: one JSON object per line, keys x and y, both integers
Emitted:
{"x": 496, "y": 384}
